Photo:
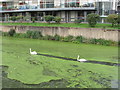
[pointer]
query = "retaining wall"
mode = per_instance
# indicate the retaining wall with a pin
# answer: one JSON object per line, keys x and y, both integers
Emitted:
{"x": 65, "y": 31}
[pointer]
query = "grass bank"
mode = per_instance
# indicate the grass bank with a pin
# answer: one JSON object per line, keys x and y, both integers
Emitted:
{"x": 81, "y": 25}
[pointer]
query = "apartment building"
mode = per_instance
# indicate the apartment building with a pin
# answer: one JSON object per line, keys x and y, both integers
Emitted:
{"x": 68, "y": 10}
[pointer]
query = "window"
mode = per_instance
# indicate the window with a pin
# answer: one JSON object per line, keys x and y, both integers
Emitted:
{"x": 72, "y": 3}
{"x": 47, "y": 4}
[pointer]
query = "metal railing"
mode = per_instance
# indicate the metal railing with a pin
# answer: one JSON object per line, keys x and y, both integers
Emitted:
{"x": 27, "y": 7}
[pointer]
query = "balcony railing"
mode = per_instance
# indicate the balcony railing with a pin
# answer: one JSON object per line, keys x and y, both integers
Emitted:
{"x": 26, "y": 7}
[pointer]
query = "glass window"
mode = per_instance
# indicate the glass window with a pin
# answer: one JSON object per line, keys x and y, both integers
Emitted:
{"x": 47, "y": 4}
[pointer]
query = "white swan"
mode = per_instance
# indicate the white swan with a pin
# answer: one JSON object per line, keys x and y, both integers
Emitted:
{"x": 80, "y": 60}
{"x": 33, "y": 53}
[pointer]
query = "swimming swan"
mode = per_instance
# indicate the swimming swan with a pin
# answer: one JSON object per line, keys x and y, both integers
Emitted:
{"x": 33, "y": 53}
{"x": 80, "y": 60}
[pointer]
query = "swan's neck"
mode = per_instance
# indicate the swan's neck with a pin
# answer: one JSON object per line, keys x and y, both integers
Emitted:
{"x": 78, "y": 57}
{"x": 30, "y": 50}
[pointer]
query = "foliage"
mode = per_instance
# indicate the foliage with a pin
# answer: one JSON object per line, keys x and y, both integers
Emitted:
{"x": 11, "y": 32}
{"x": 57, "y": 19}
{"x": 77, "y": 21}
{"x": 33, "y": 19}
{"x": 19, "y": 18}
{"x": 33, "y": 34}
{"x": 118, "y": 21}
{"x": 48, "y": 37}
{"x": 13, "y": 18}
{"x": 92, "y": 19}
{"x": 80, "y": 39}
{"x": 49, "y": 18}
{"x": 20, "y": 35}
{"x": 4, "y": 33}
{"x": 82, "y": 25}
{"x": 57, "y": 37}
{"x": 68, "y": 38}
{"x": 112, "y": 18}
{"x": 77, "y": 40}
{"x": 103, "y": 42}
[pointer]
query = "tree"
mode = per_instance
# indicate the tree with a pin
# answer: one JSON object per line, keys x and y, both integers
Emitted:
{"x": 11, "y": 32}
{"x": 118, "y": 20}
{"x": 19, "y": 18}
{"x": 49, "y": 18}
{"x": 13, "y": 18}
{"x": 92, "y": 19}
{"x": 57, "y": 19}
{"x": 33, "y": 19}
{"x": 112, "y": 18}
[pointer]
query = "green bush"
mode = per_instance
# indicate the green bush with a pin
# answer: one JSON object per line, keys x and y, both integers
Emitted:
{"x": 93, "y": 41}
{"x": 49, "y": 18}
{"x": 118, "y": 43}
{"x": 80, "y": 39}
{"x": 92, "y": 19}
{"x": 11, "y": 32}
{"x": 77, "y": 21}
{"x": 118, "y": 21}
{"x": 77, "y": 42}
{"x": 48, "y": 37}
{"x": 33, "y": 34}
{"x": 112, "y": 18}
{"x": 57, "y": 19}
{"x": 17, "y": 35}
{"x": 57, "y": 37}
{"x": 33, "y": 19}
{"x": 20, "y": 35}
{"x": 102, "y": 42}
{"x": 19, "y": 18}
{"x": 13, "y": 18}
{"x": 68, "y": 38}
{"x": 5, "y": 34}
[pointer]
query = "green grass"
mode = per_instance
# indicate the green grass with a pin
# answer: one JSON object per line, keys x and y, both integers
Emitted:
{"x": 82, "y": 25}
{"x": 36, "y": 69}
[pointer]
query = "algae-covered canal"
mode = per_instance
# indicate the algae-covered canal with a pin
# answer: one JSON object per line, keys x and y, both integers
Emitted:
{"x": 32, "y": 71}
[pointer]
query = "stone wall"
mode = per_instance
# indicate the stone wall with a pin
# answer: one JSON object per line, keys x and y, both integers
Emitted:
{"x": 65, "y": 31}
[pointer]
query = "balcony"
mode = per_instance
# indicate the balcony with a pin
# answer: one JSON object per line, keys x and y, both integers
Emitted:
{"x": 23, "y": 8}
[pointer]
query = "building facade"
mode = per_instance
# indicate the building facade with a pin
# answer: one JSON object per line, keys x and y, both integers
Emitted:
{"x": 68, "y": 10}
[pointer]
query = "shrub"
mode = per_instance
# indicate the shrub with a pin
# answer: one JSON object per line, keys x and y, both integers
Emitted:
{"x": 29, "y": 34}
{"x": 11, "y": 32}
{"x": 80, "y": 39}
{"x": 77, "y": 42}
{"x": 13, "y": 18}
{"x": 57, "y": 19}
{"x": 33, "y": 34}
{"x": 33, "y": 19}
{"x": 92, "y": 19}
{"x": 19, "y": 18}
{"x": 68, "y": 38}
{"x": 112, "y": 18}
{"x": 77, "y": 21}
{"x": 20, "y": 35}
{"x": 5, "y": 34}
{"x": 17, "y": 35}
{"x": 36, "y": 34}
{"x": 93, "y": 41}
{"x": 0, "y": 33}
{"x": 49, "y": 18}
{"x": 118, "y": 20}
{"x": 57, "y": 37}
{"x": 103, "y": 42}
{"x": 48, "y": 37}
